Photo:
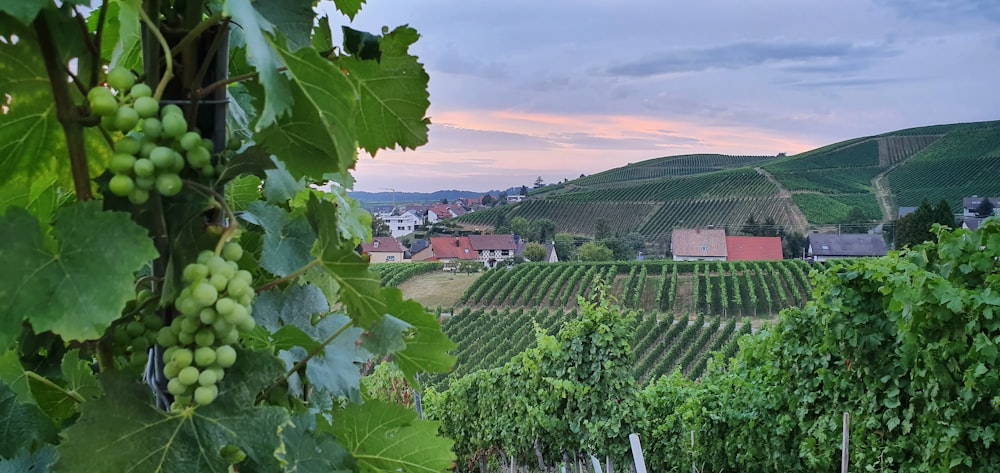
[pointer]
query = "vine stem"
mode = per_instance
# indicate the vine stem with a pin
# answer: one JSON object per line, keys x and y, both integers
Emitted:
{"x": 208, "y": 89}
{"x": 169, "y": 73}
{"x": 66, "y": 111}
{"x": 290, "y": 277}
{"x": 195, "y": 33}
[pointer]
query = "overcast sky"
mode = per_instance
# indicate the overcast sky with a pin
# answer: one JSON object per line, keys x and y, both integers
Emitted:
{"x": 556, "y": 88}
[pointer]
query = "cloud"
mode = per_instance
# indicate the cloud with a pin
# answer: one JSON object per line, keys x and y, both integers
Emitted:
{"x": 945, "y": 11}
{"x": 844, "y": 82}
{"x": 747, "y": 54}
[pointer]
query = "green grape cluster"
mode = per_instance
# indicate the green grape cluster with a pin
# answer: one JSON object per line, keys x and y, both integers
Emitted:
{"x": 134, "y": 335}
{"x": 157, "y": 145}
{"x": 214, "y": 309}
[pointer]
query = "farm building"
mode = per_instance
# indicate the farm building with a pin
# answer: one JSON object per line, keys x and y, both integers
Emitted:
{"x": 824, "y": 246}
{"x": 698, "y": 245}
{"x": 383, "y": 250}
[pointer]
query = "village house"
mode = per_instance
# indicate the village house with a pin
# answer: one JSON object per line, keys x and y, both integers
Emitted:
{"x": 493, "y": 249}
{"x": 447, "y": 250}
{"x": 383, "y": 250}
{"x": 971, "y": 204}
{"x": 823, "y": 246}
{"x": 402, "y": 224}
{"x": 698, "y": 245}
{"x": 750, "y": 248}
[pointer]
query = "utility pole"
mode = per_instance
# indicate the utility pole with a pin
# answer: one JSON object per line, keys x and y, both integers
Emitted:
{"x": 393, "y": 196}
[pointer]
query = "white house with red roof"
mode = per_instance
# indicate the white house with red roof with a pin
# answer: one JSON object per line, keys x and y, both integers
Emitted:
{"x": 493, "y": 249}
{"x": 383, "y": 250}
{"x": 447, "y": 250}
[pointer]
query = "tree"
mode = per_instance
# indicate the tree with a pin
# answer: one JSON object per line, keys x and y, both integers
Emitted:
{"x": 792, "y": 245}
{"x": 565, "y": 246}
{"x": 602, "y": 229}
{"x": 543, "y": 230}
{"x": 379, "y": 227}
{"x": 524, "y": 190}
{"x": 539, "y": 182}
{"x": 750, "y": 226}
{"x": 534, "y": 252}
{"x": 592, "y": 251}
{"x": 520, "y": 226}
{"x": 500, "y": 224}
{"x": 621, "y": 250}
{"x": 167, "y": 228}
{"x": 469, "y": 266}
{"x": 944, "y": 215}
{"x": 444, "y": 201}
{"x": 636, "y": 242}
{"x": 985, "y": 208}
{"x": 488, "y": 200}
{"x": 915, "y": 228}
{"x": 502, "y": 198}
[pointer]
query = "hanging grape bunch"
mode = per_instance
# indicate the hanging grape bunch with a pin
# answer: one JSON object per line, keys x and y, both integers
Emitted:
{"x": 214, "y": 309}
{"x": 133, "y": 335}
{"x": 157, "y": 146}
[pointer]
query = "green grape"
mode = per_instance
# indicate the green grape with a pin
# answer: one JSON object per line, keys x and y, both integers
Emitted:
{"x": 188, "y": 375}
{"x": 138, "y": 196}
{"x": 244, "y": 275}
{"x": 126, "y": 118}
{"x": 135, "y": 328}
{"x": 140, "y": 344}
{"x": 237, "y": 287}
{"x": 168, "y": 184}
{"x": 108, "y": 121}
{"x": 183, "y": 399}
{"x": 168, "y": 354}
{"x": 138, "y": 358}
{"x": 144, "y": 167}
{"x": 187, "y": 306}
{"x": 219, "y": 372}
{"x": 152, "y": 322}
{"x": 220, "y": 326}
{"x": 190, "y": 140}
{"x": 205, "y": 256}
{"x": 121, "y": 185}
{"x": 122, "y": 163}
{"x": 204, "y": 337}
{"x": 97, "y": 92}
{"x": 103, "y": 105}
{"x": 147, "y": 147}
{"x": 121, "y": 79}
{"x": 170, "y": 370}
{"x": 166, "y": 338}
{"x": 232, "y": 251}
{"x": 208, "y": 377}
{"x": 143, "y": 295}
{"x": 208, "y": 316}
{"x": 185, "y": 338}
{"x": 152, "y": 128}
{"x": 246, "y": 323}
{"x": 229, "y": 338}
{"x": 199, "y": 158}
{"x": 120, "y": 336}
{"x": 204, "y": 294}
{"x": 128, "y": 145}
{"x": 146, "y": 107}
{"x": 219, "y": 281}
{"x": 183, "y": 357}
{"x": 190, "y": 325}
{"x": 204, "y": 395}
{"x": 174, "y": 125}
{"x": 141, "y": 90}
{"x": 204, "y": 357}
{"x": 225, "y": 356}
{"x": 194, "y": 272}
{"x": 207, "y": 144}
{"x": 176, "y": 387}
{"x": 225, "y": 306}
{"x": 171, "y": 109}
{"x": 217, "y": 266}
{"x": 207, "y": 171}
{"x": 162, "y": 157}
{"x": 145, "y": 183}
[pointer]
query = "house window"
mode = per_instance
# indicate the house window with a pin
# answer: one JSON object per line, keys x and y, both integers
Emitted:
{"x": 400, "y": 228}
{"x": 390, "y": 258}
{"x": 704, "y": 248}
{"x": 505, "y": 252}
{"x": 825, "y": 247}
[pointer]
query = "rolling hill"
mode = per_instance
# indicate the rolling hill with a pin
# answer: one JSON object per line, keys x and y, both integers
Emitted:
{"x": 869, "y": 176}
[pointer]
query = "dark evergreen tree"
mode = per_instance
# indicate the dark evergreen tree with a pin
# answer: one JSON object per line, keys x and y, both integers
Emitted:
{"x": 985, "y": 208}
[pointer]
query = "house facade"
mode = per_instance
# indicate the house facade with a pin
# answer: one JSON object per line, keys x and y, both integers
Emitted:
{"x": 403, "y": 224}
{"x": 824, "y": 246}
{"x": 493, "y": 249}
{"x": 448, "y": 250}
{"x": 383, "y": 250}
{"x": 698, "y": 245}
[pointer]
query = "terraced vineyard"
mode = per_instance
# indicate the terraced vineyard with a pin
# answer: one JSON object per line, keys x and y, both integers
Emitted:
{"x": 487, "y": 338}
{"x": 719, "y": 184}
{"x": 724, "y": 289}
{"x": 720, "y": 212}
{"x": 671, "y": 166}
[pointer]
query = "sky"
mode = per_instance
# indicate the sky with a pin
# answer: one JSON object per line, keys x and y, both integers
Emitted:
{"x": 558, "y": 88}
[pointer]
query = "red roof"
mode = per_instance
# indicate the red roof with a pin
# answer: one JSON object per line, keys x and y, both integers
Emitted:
{"x": 453, "y": 248}
{"x": 382, "y": 245}
{"x": 747, "y": 248}
{"x": 492, "y": 242}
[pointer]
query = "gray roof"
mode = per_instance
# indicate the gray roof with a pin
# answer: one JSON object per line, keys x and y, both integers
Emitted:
{"x": 859, "y": 244}
{"x": 971, "y": 223}
{"x": 418, "y": 245}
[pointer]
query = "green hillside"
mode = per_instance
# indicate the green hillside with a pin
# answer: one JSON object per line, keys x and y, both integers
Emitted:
{"x": 868, "y": 176}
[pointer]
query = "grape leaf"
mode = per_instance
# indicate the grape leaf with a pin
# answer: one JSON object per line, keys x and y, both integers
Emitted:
{"x": 310, "y": 451}
{"x": 295, "y": 306}
{"x": 427, "y": 346}
{"x": 349, "y": 7}
{"x": 252, "y": 161}
{"x": 12, "y": 374}
{"x": 360, "y": 288}
{"x": 24, "y": 10}
{"x": 386, "y": 336}
{"x": 280, "y": 186}
{"x": 393, "y": 95}
{"x": 291, "y": 336}
{"x": 319, "y": 136}
{"x": 322, "y": 38}
{"x": 242, "y": 191}
{"x": 123, "y": 431}
{"x": 38, "y": 461}
{"x": 89, "y": 275}
{"x": 293, "y": 18}
{"x": 32, "y": 143}
{"x": 61, "y": 401}
{"x": 336, "y": 369}
{"x": 23, "y": 425}
{"x": 361, "y": 44}
{"x": 263, "y": 58}
{"x": 287, "y": 239}
{"x": 388, "y": 437}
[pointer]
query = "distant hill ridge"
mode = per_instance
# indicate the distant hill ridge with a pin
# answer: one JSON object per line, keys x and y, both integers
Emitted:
{"x": 860, "y": 181}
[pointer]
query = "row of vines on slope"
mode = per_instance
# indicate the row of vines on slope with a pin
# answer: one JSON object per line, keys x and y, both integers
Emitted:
{"x": 178, "y": 296}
